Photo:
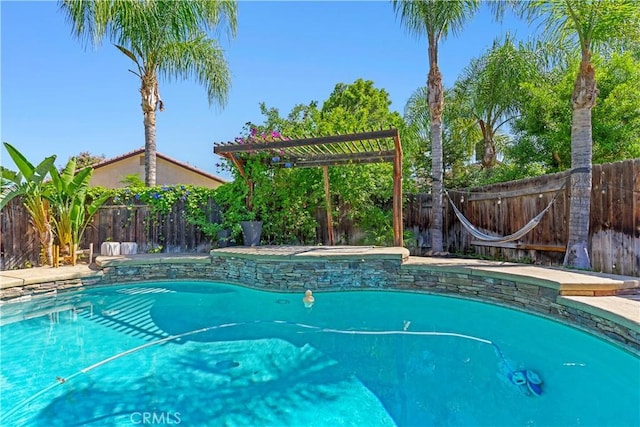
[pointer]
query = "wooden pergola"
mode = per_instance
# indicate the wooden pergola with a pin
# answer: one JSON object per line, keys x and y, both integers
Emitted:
{"x": 324, "y": 151}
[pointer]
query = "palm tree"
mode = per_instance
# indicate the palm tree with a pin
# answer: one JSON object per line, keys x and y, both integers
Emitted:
{"x": 488, "y": 92}
{"x": 161, "y": 37}
{"x": 583, "y": 25}
{"x": 459, "y": 133}
{"x": 438, "y": 19}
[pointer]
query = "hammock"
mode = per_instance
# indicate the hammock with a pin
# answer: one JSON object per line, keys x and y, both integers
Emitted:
{"x": 502, "y": 239}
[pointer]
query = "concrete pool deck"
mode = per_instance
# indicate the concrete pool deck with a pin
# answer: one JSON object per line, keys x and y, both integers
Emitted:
{"x": 613, "y": 298}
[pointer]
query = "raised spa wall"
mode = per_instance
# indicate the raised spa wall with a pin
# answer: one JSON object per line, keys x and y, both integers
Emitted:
{"x": 389, "y": 268}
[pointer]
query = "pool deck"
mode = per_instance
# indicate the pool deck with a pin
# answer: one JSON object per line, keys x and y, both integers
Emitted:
{"x": 593, "y": 292}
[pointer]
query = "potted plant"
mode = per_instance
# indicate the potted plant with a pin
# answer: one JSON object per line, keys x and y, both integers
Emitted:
{"x": 239, "y": 217}
{"x": 251, "y": 232}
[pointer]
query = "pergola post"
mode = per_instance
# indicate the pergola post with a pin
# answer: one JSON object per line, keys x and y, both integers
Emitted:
{"x": 327, "y": 198}
{"x": 398, "y": 226}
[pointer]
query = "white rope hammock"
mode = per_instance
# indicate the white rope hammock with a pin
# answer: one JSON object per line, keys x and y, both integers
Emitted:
{"x": 502, "y": 239}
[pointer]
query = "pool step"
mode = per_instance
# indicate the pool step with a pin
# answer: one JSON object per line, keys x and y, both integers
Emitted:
{"x": 131, "y": 316}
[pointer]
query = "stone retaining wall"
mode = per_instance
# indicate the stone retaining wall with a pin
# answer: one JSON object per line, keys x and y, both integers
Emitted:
{"x": 48, "y": 288}
{"x": 530, "y": 297}
{"x": 295, "y": 273}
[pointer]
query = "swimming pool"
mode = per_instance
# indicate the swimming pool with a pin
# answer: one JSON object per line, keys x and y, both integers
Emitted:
{"x": 199, "y": 353}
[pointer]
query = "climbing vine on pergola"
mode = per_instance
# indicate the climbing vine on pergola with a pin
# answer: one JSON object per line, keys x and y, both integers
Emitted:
{"x": 324, "y": 151}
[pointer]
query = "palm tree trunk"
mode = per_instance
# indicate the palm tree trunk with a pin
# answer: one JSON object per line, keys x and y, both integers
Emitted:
{"x": 150, "y": 149}
{"x": 149, "y": 91}
{"x": 584, "y": 98}
{"x": 435, "y": 94}
{"x": 488, "y": 145}
{"x": 436, "y": 166}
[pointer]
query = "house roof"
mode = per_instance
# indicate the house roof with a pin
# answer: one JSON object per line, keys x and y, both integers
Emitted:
{"x": 162, "y": 156}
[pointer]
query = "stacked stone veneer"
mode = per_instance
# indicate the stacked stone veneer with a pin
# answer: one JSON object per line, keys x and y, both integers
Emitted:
{"x": 47, "y": 288}
{"x": 295, "y": 273}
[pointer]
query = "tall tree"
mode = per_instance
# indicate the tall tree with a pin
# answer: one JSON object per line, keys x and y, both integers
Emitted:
{"x": 437, "y": 19}
{"x": 583, "y": 25}
{"x": 363, "y": 104}
{"x": 163, "y": 38}
{"x": 86, "y": 159}
{"x": 543, "y": 130}
{"x": 287, "y": 198}
{"x": 459, "y": 135}
{"x": 488, "y": 90}
{"x": 416, "y": 114}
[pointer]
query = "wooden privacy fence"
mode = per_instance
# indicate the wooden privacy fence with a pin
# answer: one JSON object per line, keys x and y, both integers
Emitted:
{"x": 504, "y": 208}
{"x": 169, "y": 233}
{"x": 19, "y": 245}
{"x": 615, "y": 218}
{"x": 498, "y": 209}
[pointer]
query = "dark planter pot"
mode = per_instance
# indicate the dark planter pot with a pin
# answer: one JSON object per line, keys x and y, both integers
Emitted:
{"x": 251, "y": 231}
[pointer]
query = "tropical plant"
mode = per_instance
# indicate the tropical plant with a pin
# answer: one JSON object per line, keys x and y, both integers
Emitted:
{"x": 437, "y": 19}
{"x": 163, "y": 37}
{"x": 488, "y": 92}
{"x": 28, "y": 183}
{"x": 585, "y": 26}
{"x": 72, "y": 210}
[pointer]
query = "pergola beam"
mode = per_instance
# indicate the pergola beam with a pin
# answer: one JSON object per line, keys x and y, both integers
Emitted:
{"x": 343, "y": 159}
{"x": 321, "y": 140}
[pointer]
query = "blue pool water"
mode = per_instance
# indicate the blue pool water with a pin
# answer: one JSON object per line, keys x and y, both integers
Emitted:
{"x": 215, "y": 354}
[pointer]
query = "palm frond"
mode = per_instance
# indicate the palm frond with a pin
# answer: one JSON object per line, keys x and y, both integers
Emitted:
{"x": 435, "y": 18}
{"x": 9, "y": 191}
{"x": 202, "y": 59}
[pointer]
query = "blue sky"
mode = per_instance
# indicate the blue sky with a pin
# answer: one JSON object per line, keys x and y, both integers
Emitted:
{"x": 59, "y": 98}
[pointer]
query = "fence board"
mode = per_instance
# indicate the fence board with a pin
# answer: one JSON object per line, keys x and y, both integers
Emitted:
{"x": 629, "y": 229}
{"x": 635, "y": 255}
{"x": 19, "y": 246}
